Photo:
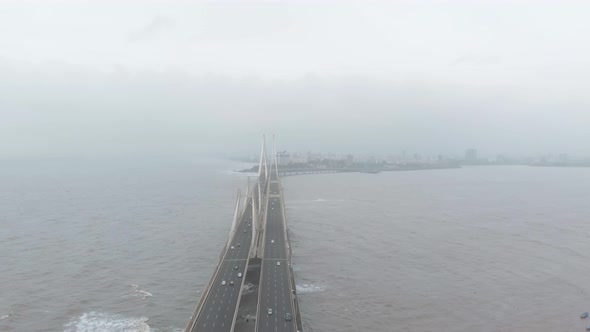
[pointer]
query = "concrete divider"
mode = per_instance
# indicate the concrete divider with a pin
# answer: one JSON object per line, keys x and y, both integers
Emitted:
{"x": 254, "y": 218}
{"x": 233, "y": 324}
{"x": 261, "y": 236}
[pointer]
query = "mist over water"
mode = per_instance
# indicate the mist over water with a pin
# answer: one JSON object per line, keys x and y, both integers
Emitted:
{"x": 112, "y": 219}
{"x": 128, "y": 247}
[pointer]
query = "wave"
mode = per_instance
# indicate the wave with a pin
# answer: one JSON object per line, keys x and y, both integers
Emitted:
{"x": 328, "y": 200}
{"x": 102, "y": 322}
{"x": 308, "y": 288}
{"x": 238, "y": 173}
{"x": 137, "y": 292}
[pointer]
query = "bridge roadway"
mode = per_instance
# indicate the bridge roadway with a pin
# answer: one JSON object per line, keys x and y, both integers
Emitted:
{"x": 275, "y": 287}
{"x": 217, "y": 311}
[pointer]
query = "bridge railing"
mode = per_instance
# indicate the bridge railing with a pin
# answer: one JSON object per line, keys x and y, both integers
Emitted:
{"x": 190, "y": 325}
{"x": 293, "y": 293}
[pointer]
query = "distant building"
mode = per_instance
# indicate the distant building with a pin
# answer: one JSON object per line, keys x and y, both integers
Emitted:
{"x": 471, "y": 155}
{"x": 297, "y": 158}
{"x": 563, "y": 158}
{"x": 349, "y": 160}
{"x": 314, "y": 157}
{"x": 283, "y": 158}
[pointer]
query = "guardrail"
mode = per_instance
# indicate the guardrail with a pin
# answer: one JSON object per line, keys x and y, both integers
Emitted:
{"x": 190, "y": 325}
{"x": 292, "y": 293}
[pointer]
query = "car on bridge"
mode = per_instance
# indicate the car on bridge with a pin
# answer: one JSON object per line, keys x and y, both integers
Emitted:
{"x": 269, "y": 311}
{"x": 240, "y": 275}
{"x": 223, "y": 283}
{"x": 288, "y": 317}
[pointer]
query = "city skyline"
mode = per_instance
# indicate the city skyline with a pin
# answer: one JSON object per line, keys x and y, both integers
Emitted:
{"x": 470, "y": 155}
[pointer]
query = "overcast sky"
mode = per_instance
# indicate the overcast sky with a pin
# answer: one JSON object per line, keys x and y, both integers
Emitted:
{"x": 112, "y": 78}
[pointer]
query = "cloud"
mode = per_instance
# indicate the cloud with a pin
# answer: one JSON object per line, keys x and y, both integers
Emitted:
{"x": 155, "y": 26}
{"x": 477, "y": 60}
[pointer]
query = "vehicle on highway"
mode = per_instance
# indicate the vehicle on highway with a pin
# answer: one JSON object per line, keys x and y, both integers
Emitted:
{"x": 240, "y": 275}
{"x": 288, "y": 317}
{"x": 238, "y": 245}
{"x": 272, "y": 241}
{"x": 232, "y": 247}
{"x": 231, "y": 283}
{"x": 236, "y": 267}
{"x": 278, "y": 263}
{"x": 244, "y": 231}
{"x": 223, "y": 283}
{"x": 270, "y": 311}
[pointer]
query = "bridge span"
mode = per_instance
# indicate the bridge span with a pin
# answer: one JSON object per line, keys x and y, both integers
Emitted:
{"x": 258, "y": 235}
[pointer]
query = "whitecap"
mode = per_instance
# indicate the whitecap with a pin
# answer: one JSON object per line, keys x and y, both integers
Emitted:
{"x": 103, "y": 322}
{"x": 328, "y": 200}
{"x": 6, "y": 316}
{"x": 137, "y": 292}
{"x": 308, "y": 288}
{"x": 143, "y": 294}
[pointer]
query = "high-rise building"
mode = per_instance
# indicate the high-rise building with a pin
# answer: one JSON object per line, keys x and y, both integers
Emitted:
{"x": 471, "y": 155}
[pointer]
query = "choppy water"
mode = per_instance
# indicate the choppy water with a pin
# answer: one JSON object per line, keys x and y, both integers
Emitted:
{"x": 129, "y": 246}
{"x": 472, "y": 249}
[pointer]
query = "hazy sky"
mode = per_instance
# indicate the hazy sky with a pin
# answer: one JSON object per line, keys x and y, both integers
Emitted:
{"x": 111, "y": 78}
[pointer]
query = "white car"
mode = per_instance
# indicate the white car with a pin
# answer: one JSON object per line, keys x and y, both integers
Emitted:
{"x": 278, "y": 263}
{"x": 270, "y": 311}
{"x": 232, "y": 247}
{"x": 223, "y": 283}
{"x": 240, "y": 275}
{"x": 272, "y": 241}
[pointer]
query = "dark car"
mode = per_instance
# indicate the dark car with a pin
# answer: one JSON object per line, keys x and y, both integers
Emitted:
{"x": 288, "y": 317}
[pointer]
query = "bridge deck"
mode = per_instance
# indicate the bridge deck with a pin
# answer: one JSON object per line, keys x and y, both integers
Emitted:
{"x": 275, "y": 285}
{"x": 218, "y": 306}
{"x": 218, "y": 309}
